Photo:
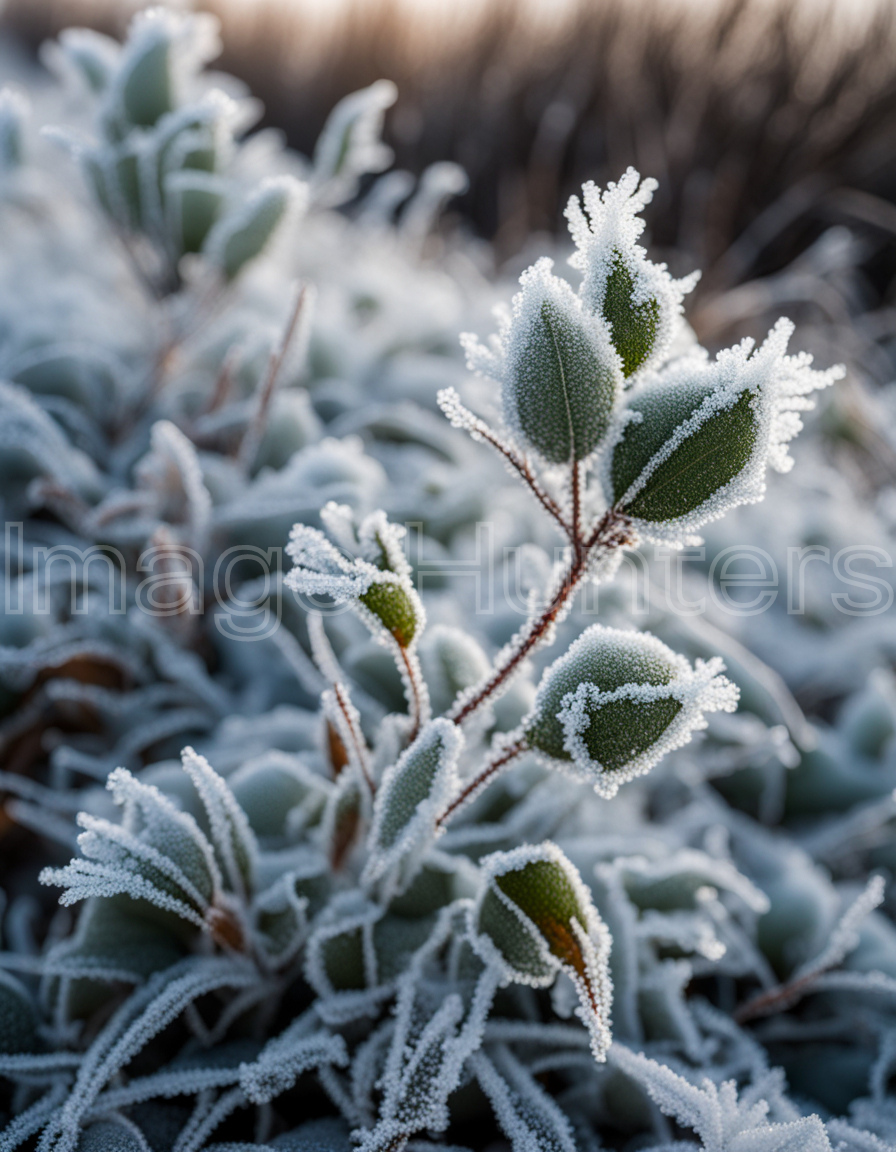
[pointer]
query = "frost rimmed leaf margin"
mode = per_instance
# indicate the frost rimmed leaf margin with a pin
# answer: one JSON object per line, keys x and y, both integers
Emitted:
{"x": 605, "y": 226}
{"x": 777, "y": 387}
{"x": 698, "y": 690}
{"x": 577, "y": 944}
{"x": 560, "y": 375}
{"x": 410, "y": 797}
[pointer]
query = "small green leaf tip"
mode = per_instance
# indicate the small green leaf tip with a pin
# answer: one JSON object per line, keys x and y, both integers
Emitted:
{"x": 533, "y": 918}
{"x": 696, "y": 442}
{"x": 638, "y": 299}
{"x": 560, "y": 376}
{"x": 617, "y": 702}
{"x": 394, "y": 607}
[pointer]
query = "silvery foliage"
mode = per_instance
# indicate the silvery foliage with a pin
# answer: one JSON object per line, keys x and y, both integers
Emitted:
{"x": 374, "y": 895}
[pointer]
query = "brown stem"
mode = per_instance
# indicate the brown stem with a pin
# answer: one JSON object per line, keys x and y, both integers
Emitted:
{"x": 776, "y": 999}
{"x": 357, "y": 738}
{"x": 252, "y": 437}
{"x": 520, "y": 464}
{"x": 474, "y": 786}
{"x": 607, "y": 533}
{"x": 416, "y": 700}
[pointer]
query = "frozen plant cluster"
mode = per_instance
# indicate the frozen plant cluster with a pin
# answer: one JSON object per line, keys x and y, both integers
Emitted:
{"x": 338, "y": 853}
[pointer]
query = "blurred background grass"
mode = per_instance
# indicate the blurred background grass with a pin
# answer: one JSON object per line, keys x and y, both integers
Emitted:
{"x": 766, "y": 121}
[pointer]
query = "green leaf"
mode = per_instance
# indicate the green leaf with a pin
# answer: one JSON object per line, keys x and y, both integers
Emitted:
{"x": 621, "y": 729}
{"x": 148, "y": 85}
{"x": 717, "y": 451}
{"x": 194, "y": 203}
{"x": 244, "y": 235}
{"x": 634, "y": 326}
{"x": 560, "y": 388}
{"x": 394, "y": 607}
{"x": 608, "y": 659}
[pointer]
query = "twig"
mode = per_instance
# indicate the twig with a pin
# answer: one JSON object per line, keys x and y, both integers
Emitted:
{"x": 252, "y": 437}
{"x": 475, "y": 786}
{"x": 611, "y": 531}
{"x": 462, "y": 417}
{"x": 358, "y": 742}
{"x": 418, "y": 698}
{"x": 328, "y": 666}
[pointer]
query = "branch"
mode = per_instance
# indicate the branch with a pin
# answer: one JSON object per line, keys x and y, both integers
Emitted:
{"x": 462, "y": 417}
{"x": 418, "y": 698}
{"x": 475, "y": 786}
{"x": 610, "y": 532}
{"x": 252, "y": 437}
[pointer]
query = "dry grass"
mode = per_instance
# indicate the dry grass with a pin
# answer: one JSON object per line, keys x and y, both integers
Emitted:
{"x": 765, "y": 122}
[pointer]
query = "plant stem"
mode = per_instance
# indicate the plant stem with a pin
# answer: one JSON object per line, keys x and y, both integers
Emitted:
{"x": 606, "y": 534}
{"x": 418, "y": 701}
{"x": 489, "y": 771}
{"x": 358, "y": 742}
{"x": 252, "y": 437}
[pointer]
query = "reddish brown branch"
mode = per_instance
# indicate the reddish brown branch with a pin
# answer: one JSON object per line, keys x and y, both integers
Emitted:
{"x": 521, "y": 466}
{"x": 776, "y": 999}
{"x": 607, "y": 533}
{"x": 474, "y": 786}
{"x": 358, "y": 742}
{"x": 416, "y": 700}
{"x": 254, "y": 433}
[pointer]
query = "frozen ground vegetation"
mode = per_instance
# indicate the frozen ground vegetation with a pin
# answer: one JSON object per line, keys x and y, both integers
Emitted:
{"x": 400, "y": 843}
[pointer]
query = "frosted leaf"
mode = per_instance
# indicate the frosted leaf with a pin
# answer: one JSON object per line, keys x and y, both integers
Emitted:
{"x": 411, "y": 796}
{"x": 286, "y": 1057}
{"x": 85, "y": 55}
{"x": 377, "y": 583}
{"x": 639, "y": 300}
{"x": 724, "y": 1123}
{"x": 340, "y": 956}
{"x": 173, "y": 471}
{"x": 33, "y": 443}
{"x": 162, "y": 51}
{"x": 529, "y": 1118}
{"x": 118, "y": 1135}
{"x": 143, "y": 1015}
{"x": 616, "y": 702}
{"x": 532, "y": 918}
{"x": 193, "y": 201}
{"x": 322, "y": 570}
{"x": 696, "y": 441}
{"x": 18, "y": 1018}
{"x": 452, "y": 661}
{"x": 438, "y": 184}
{"x": 845, "y": 936}
{"x": 415, "y": 1099}
{"x": 31, "y": 1119}
{"x": 560, "y": 377}
{"x": 242, "y": 234}
{"x": 279, "y": 793}
{"x": 281, "y": 916}
{"x": 350, "y": 144}
{"x": 233, "y": 839}
{"x": 159, "y": 854}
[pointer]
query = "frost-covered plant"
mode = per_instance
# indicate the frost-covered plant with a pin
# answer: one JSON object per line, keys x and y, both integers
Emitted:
{"x": 369, "y": 897}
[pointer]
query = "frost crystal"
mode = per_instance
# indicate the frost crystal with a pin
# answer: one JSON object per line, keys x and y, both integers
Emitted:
{"x": 617, "y": 702}
{"x": 534, "y": 917}
{"x": 639, "y": 300}
{"x": 696, "y": 442}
